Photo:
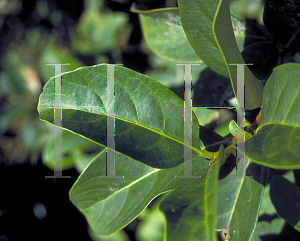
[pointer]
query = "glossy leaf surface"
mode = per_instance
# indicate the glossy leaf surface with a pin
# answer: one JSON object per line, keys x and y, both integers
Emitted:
{"x": 197, "y": 18}
{"x": 149, "y": 118}
{"x": 239, "y": 201}
{"x": 191, "y": 208}
{"x": 109, "y": 204}
{"x": 277, "y": 140}
{"x": 225, "y": 39}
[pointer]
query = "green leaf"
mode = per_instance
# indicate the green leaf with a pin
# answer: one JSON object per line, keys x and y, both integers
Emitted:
{"x": 149, "y": 118}
{"x": 277, "y": 140}
{"x": 54, "y": 54}
{"x": 163, "y": 33}
{"x": 267, "y": 207}
{"x": 242, "y": 9}
{"x": 212, "y": 140}
{"x": 285, "y": 197}
{"x": 81, "y": 159}
{"x": 11, "y": 114}
{"x": 98, "y": 32}
{"x": 239, "y": 201}
{"x": 225, "y": 39}
{"x": 236, "y": 131}
{"x": 265, "y": 228}
{"x": 71, "y": 146}
{"x": 169, "y": 74}
{"x": 118, "y": 236}
{"x": 153, "y": 225}
{"x": 239, "y": 28}
{"x": 191, "y": 208}
{"x": 13, "y": 81}
{"x": 205, "y": 116}
{"x": 197, "y": 18}
{"x": 109, "y": 204}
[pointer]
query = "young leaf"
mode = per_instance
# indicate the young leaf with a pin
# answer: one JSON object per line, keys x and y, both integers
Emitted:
{"x": 278, "y": 134}
{"x": 149, "y": 118}
{"x": 236, "y": 131}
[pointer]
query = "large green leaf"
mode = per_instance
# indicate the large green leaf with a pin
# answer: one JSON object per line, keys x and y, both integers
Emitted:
{"x": 191, "y": 208}
{"x": 163, "y": 33}
{"x": 239, "y": 201}
{"x": 197, "y": 22}
{"x": 277, "y": 140}
{"x": 208, "y": 27}
{"x": 149, "y": 118}
{"x": 225, "y": 38}
{"x": 109, "y": 204}
{"x": 197, "y": 19}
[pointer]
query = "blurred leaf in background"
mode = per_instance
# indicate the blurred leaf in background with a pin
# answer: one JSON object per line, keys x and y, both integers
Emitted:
{"x": 100, "y": 31}
{"x": 27, "y": 50}
{"x": 76, "y": 150}
{"x": 154, "y": 225}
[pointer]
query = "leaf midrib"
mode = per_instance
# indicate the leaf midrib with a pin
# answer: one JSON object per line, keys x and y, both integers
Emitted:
{"x": 201, "y": 152}
{"x": 124, "y": 188}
